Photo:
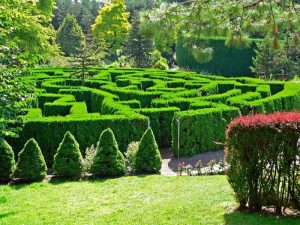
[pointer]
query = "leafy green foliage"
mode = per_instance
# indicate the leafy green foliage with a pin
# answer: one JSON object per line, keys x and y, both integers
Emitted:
{"x": 31, "y": 165}
{"x": 68, "y": 161}
{"x": 193, "y": 131}
{"x": 148, "y": 159}
{"x": 108, "y": 161}
{"x": 7, "y": 161}
{"x": 15, "y": 95}
{"x": 159, "y": 61}
{"x": 70, "y": 36}
{"x": 158, "y": 96}
{"x": 111, "y": 25}
{"x": 26, "y": 37}
{"x": 46, "y": 8}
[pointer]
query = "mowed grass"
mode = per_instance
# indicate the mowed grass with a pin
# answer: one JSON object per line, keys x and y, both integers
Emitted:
{"x": 128, "y": 200}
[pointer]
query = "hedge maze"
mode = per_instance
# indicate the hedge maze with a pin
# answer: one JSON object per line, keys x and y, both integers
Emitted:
{"x": 185, "y": 110}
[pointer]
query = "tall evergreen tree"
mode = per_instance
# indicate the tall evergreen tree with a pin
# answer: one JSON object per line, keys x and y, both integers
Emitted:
{"x": 86, "y": 57}
{"x": 85, "y": 12}
{"x": 138, "y": 48}
{"x": 70, "y": 36}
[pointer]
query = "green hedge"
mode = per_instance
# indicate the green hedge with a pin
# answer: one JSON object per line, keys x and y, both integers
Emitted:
{"x": 49, "y": 131}
{"x": 161, "y": 123}
{"x": 198, "y": 130}
{"x": 226, "y": 61}
{"x": 204, "y": 104}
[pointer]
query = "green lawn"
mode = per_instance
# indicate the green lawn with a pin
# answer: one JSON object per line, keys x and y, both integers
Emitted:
{"x": 128, "y": 200}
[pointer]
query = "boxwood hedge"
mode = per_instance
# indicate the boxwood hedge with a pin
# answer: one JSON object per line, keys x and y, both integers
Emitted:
{"x": 185, "y": 110}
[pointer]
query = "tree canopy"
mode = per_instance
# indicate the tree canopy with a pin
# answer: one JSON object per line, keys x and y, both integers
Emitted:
{"x": 111, "y": 25}
{"x": 25, "y": 31}
{"x": 238, "y": 20}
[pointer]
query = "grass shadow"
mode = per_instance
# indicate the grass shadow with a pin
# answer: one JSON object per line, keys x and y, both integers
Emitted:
{"x": 3, "y": 215}
{"x": 247, "y": 218}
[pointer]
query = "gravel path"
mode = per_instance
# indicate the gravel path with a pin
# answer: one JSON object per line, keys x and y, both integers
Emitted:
{"x": 170, "y": 164}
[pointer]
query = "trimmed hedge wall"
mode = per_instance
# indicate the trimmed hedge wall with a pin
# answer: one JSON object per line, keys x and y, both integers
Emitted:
{"x": 161, "y": 123}
{"x": 50, "y": 131}
{"x": 196, "y": 131}
{"x": 226, "y": 61}
{"x": 126, "y": 99}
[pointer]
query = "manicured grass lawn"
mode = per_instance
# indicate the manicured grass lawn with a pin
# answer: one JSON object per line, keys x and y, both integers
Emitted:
{"x": 128, "y": 200}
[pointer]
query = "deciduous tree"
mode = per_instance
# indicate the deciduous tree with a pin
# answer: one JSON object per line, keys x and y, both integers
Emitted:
{"x": 111, "y": 26}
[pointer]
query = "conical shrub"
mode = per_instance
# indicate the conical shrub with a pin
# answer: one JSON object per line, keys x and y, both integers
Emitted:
{"x": 148, "y": 159}
{"x": 68, "y": 161}
{"x": 7, "y": 161}
{"x": 31, "y": 164}
{"x": 108, "y": 161}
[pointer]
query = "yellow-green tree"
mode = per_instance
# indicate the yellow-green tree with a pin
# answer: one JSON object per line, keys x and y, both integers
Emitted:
{"x": 111, "y": 26}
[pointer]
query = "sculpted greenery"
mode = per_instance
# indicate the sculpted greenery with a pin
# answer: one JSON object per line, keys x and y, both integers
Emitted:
{"x": 7, "y": 161}
{"x": 31, "y": 164}
{"x": 68, "y": 161}
{"x": 108, "y": 160}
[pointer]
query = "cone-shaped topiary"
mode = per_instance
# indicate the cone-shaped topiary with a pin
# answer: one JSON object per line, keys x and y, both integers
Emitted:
{"x": 148, "y": 157}
{"x": 7, "y": 161}
{"x": 31, "y": 164}
{"x": 68, "y": 161}
{"x": 108, "y": 161}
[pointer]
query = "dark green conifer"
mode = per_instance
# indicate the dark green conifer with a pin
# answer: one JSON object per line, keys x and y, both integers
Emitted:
{"x": 68, "y": 159}
{"x": 7, "y": 161}
{"x": 108, "y": 161}
{"x": 70, "y": 36}
{"x": 148, "y": 159}
{"x": 31, "y": 164}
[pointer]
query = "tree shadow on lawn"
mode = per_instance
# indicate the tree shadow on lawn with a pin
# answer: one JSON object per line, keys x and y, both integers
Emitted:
{"x": 246, "y": 218}
{"x": 93, "y": 179}
{"x": 3, "y": 215}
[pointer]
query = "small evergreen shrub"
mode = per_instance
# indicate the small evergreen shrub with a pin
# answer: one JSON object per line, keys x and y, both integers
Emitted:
{"x": 31, "y": 164}
{"x": 68, "y": 161}
{"x": 108, "y": 161}
{"x": 131, "y": 154}
{"x": 263, "y": 153}
{"x": 7, "y": 161}
{"x": 148, "y": 157}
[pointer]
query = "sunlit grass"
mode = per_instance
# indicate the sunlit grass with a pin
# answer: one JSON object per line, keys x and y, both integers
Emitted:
{"x": 128, "y": 200}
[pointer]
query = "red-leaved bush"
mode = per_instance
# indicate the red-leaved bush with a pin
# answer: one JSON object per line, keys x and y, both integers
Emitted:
{"x": 264, "y": 157}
